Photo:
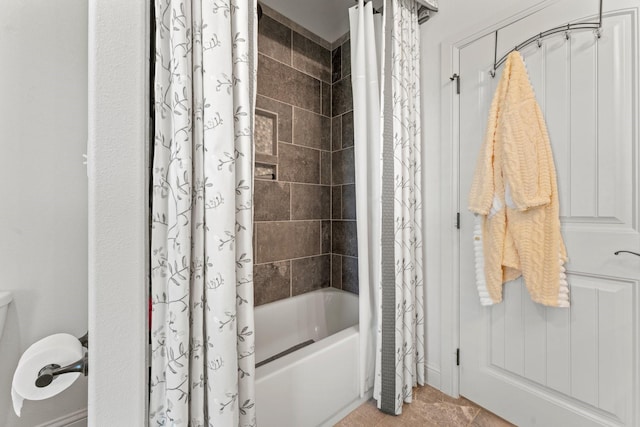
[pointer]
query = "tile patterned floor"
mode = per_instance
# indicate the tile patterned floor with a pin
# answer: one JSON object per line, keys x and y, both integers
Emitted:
{"x": 430, "y": 408}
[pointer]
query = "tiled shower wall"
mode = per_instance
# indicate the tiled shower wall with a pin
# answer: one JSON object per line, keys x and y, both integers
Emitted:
{"x": 344, "y": 248}
{"x": 294, "y": 156}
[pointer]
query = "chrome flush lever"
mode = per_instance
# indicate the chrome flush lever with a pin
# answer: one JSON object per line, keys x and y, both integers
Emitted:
{"x": 629, "y": 252}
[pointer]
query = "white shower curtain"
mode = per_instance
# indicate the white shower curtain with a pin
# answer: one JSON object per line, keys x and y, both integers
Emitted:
{"x": 202, "y": 343}
{"x": 389, "y": 202}
{"x": 365, "y": 72}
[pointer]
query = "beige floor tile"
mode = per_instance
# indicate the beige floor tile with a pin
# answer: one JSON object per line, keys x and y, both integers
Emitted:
{"x": 427, "y": 394}
{"x": 446, "y": 414}
{"x": 430, "y": 408}
{"x": 424, "y": 414}
{"x": 367, "y": 415}
{"x": 412, "y": 415}
{"x": 487, "y": 419}
{"x": 430, "y": 394}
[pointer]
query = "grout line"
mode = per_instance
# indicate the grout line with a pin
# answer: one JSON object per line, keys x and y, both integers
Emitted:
{"x": 290, "y": 199}
{"x": 304, "y": 146}
{"x": 474, "y": 417}
{"x": 301, "y": 220}
{"x": 294, "y": 259}
{"x": 321, "y": 167}
{"x": 293, "y": 106}
{"x": 281, "y": 19}
{"x": 320, "y": 232}
{"x": 340, "y": 40}
{"x": 293, "y": 125}
{"x": 344, "y": 148}
{"x": 296, "y": 69}
{"x": 340, "y": 211}
{"x": 341, "y": 64}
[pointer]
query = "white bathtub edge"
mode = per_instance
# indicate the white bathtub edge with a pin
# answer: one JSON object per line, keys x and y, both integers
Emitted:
{"x": 264, "y": 372}
{"x": 347, "y": 409}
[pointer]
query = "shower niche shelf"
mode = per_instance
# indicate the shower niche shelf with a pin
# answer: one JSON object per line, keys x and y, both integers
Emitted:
{"x": 266, "y": 145}
{"x": 266, "y": 171}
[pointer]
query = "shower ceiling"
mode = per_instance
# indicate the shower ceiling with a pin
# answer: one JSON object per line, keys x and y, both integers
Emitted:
{"x": 328, "y": 19}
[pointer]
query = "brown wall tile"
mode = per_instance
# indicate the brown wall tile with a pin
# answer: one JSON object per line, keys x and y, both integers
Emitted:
{"x": 336, "y": 271}
{"x": 309, "y": 274}
{"x": 336, "y": 133}
{"x": 285, "y": 116}
{"x": 326, "y": 99}
{"x": 350, "y": 274}
{"x": 308, "y": 217}
{"x": 343, "y": 238}
{"x": 342, "y": 98}
{"x": 346, "y": 58}
{"x": 311, "y": 58}
{"x": 271, "y": 282}
{"x": 272, "y": 201}
{"x": 347, "y": 129}
{"x": 274, "y": 39}
{"x": 276, "y": 241}
{"x": 349, "y": 201}
{"x": 336, "y": 64}
{"x": 311, "y": 129}
{"x": 298, "y": 164}
{"x": 326, "y": 236}
{"x": 310, "y": 201}
{"x": 283, "y": 83}
{"x": 343, "y": 167}
{"x": 325, "y": 168}
{"x": 336, "y": 202}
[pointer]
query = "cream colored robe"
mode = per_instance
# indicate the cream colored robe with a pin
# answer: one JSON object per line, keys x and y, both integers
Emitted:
{"x": 515, "y": 198}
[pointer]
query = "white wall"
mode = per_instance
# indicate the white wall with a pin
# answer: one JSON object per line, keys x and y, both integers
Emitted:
{"x": 118, "y": 211}
{"x": 455, "y": 17}
{"x": 43, "y": 187}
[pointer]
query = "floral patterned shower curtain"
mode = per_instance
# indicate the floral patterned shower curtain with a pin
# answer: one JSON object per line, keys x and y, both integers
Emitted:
{"x": 202, "y": 343}
{"x": 401, "y": 105}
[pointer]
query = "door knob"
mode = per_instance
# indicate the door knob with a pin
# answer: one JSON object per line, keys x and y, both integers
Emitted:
{"x": 629, "y": 252}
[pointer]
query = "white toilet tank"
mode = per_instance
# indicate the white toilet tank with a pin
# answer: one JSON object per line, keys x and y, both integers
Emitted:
{"x": 5, "y": 299}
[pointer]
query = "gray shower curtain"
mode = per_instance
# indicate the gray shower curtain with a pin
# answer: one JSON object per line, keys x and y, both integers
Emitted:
{"x": 389, "y": 201}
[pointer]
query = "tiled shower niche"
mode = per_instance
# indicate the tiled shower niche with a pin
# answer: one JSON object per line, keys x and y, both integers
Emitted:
{"x": 300, "y": 245}
{"x": 266, "y": 145}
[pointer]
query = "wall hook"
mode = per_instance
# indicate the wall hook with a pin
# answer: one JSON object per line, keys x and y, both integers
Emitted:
{"x": 540, "y": 40}
{"x": 628, "y": 252}
{"x": 566, "y": 33}
{"x": 598, "y": 33}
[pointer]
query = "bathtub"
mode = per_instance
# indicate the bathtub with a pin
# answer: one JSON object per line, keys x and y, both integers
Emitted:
{"x": 318, "y": 378}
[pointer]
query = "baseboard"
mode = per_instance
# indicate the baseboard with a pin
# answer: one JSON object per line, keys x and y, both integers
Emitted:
{"x": 67, "y": 420}
{"x": 433, "y": 377}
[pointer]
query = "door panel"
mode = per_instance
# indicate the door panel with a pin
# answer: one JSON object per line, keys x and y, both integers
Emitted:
{"x": 532, "y": 364}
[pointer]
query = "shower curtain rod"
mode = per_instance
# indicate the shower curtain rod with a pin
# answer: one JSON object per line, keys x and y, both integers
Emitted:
{"x": 538, "y": 37}
{"x": 424, "y": 11}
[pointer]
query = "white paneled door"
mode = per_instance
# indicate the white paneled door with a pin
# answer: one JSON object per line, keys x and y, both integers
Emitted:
{"x": 539, "y": 366}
